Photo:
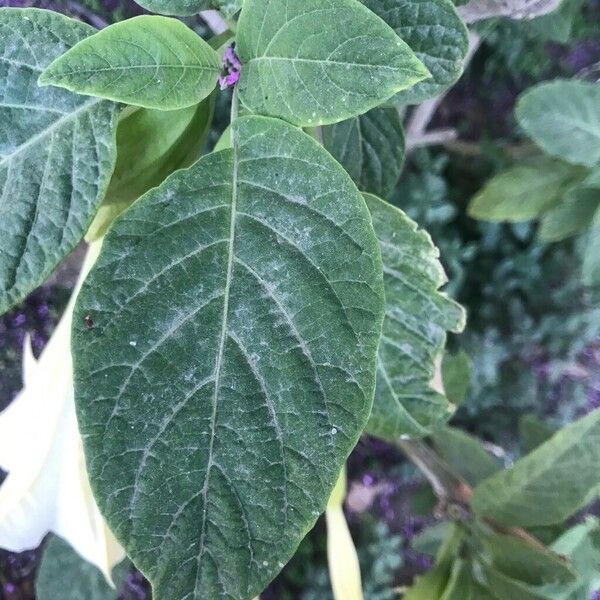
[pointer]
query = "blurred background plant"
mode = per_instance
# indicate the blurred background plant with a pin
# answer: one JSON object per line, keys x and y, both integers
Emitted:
{"x": 531, "y": 350}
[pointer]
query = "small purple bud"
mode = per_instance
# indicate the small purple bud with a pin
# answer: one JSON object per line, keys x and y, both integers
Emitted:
{"x": 232, "y": 68}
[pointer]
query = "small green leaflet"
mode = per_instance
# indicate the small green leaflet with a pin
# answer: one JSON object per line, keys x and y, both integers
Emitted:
{"x": 435, "y": 33}
{"x": 454, "y": 445}
{"x": 148, "y": 61}
{"x": 57, "y": 152}
{"x": 414, "y": 330}
{"x": 64, "y": 574}
{"x": 524, "y": 192}
{"x": 456, "y": 376}
{"x": 230, "y": 369}
{"x": 371, "y": 148}
{"x": 318, "y": 62}
{"x": 561, "y": 475}
{"x": 190, "y": 7}
{"x": 151, "y": 144}
{"x": 563, "y": 118}
{"x": 573, "y": 215}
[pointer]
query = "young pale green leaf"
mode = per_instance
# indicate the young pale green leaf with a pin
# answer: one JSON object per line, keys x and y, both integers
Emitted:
{"x": 561, "y": 476}
{"x": 64, "y": 574}
{"x": 456, "y": 376}
{"x": 573, "y": 215}
{"x": 591, "y": 259}
{"x": 465, "y": 454}
{"x": 414, "y": 330}
{"x": 563, "y": 118}
{"x": 435, "y": 33}
{"x": 57, "y": 152}
{"x": 151, "y": 144}
{"x": 315, "y": 62}
{"x": 190, "y": 7}
{"x": 230, "y": 368}
{"x": 524, "y": 192}
{"x": 371, "y": 148}
{"x": 148, "y": 61}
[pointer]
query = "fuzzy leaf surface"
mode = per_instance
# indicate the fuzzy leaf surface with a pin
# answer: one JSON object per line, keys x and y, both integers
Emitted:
{"x": 57, "y": 152}
{"x": 563, "y": 118}
{"x": 230, "y": 369}
{"x": 148, "y": 61}
{"x": 319, "y": 62}
{"x": 435, "y": 33}
{"x": 371, "y": 148}
{"x": 417, "y": 318}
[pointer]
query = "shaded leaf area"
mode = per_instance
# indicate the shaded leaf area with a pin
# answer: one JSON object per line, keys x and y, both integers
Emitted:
{"x": 435, "y": 33}
{"x": 417, "y": 318}
{"x": 190, "y": 7}
{"x": 64, "y": 574}
{"x": 251, "y": 300}
{"x": 148, "y": 61}
{"x": 561, "y": 475}
{"x": 313, "y": 64}
{"x": 151, "y": 144}
{"x": 57, "y": 152}
{"x": 563, "y": 118}
{"x": 371, "y": 148}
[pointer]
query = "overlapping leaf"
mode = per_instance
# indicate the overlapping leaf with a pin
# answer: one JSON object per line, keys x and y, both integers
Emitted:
{"x": 148, "y": 61}
{"x": 57, "y": 152}
{"x": 371, "y": 148}
{"x": 315, "y": 62}
{"x": 563, "y": 118}
{"x": 414, "y": 330}
{"x": 437, "y": 35}
{"x": 151, "y": 144}
{"x": 190, "y": 7}
{"x": 230, "y": 367}
{"x": 64, "y": 574}
{"x": 561, "y": 475}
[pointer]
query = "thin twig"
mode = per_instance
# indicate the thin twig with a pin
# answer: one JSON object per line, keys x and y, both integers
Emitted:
{"x": 81, "y": 11}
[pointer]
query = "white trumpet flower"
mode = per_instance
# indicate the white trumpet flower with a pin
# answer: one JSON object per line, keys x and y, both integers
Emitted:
{"x": 47, "y": 487}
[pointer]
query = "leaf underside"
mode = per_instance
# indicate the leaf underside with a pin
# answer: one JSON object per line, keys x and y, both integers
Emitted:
{"x": 230, "y": 369}
{"x": 57, "y": 152}
{"x": 315, "y": 63}
{"x": 414, "y": 329}
{"x": 148, "y": 61}
{"x": 435, "y": 33}
{"x": 370, "y": 148}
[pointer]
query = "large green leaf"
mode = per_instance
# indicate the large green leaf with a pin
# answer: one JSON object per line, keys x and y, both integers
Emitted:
{"x": 230, "y": 368}
{"x": 57, "y": 152}
{"x": 524, "y": 192}
{"x": 462, "y": 585}
{"x": 437, "y": 35}
{"x": 65, "y": 575}
{"x": 151, "y": 144}
{"x": 548, "y": 485}
{"x": 148, "y": 61}
{"x": 370, "y": 147}
{"x": 190, "y": 7}
{"x": 414, "y": 330}
{"x": 315, "y": 62}
{"x": 563, "y": 118}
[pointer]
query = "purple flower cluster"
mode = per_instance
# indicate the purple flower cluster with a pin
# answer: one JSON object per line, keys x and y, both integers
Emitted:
{"x": 232, "y": 68}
